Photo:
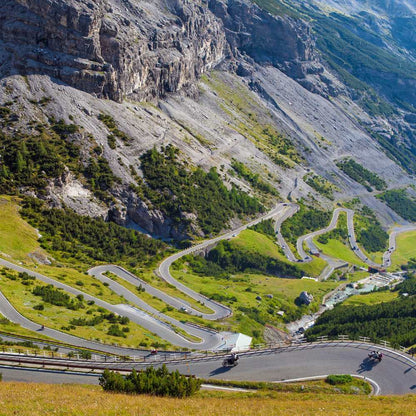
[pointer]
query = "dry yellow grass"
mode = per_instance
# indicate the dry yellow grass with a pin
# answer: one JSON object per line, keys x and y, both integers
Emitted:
{"x": 41, "y": 399}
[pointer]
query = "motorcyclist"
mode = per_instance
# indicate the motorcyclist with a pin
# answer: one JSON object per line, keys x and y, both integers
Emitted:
{"x": 234, "y": 357}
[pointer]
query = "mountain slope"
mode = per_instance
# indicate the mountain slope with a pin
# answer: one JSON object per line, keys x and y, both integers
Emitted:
{"x": 272, "y": 103}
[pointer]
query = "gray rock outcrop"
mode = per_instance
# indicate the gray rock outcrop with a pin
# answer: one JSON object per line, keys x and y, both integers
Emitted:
{"x": 305, "y": 298}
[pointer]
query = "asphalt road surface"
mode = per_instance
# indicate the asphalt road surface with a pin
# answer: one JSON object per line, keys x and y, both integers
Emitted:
{"x": 395, "y": 374}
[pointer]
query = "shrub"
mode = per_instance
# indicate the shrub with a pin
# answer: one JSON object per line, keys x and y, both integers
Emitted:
{"x": 115, "y": 331}
{"x": 335, "y": 379}
{"x": 159, "y": 382}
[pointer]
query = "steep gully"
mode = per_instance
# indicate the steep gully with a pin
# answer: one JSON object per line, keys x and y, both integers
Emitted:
{"x": 150, "y": 318}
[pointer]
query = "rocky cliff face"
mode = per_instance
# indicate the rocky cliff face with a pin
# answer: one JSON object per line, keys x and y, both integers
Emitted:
{"x": 144, "y": 50}
{"x": 112, "y": 49}
{"x": 283, "y": 42}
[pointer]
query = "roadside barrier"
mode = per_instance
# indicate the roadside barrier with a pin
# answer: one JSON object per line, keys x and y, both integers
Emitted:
{"x": 97, "y": 362}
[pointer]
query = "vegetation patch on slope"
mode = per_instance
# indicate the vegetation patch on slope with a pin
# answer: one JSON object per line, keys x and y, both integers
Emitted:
{"x": 320, "y": 184}
{"x": 30, "y": 160}
{"x": 251, "y": 122}
{"x": 304, "y": 221}
{"x": 177, "y": 189}
{"x": 369, "y": 231}
{"x": 362, "y": 175}
{"x": 253, "y": 178}
{"x": 405, "y": 249}
{"x": 398, "y": 200}
{"x": 68, "y": 235}
{"x": 17, "y": 237}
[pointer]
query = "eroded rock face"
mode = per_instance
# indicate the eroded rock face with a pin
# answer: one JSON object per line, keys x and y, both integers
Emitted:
{"x": 145, "y": 49}
{"x": 109, "y": 48}
{"x": 283, "y": 42}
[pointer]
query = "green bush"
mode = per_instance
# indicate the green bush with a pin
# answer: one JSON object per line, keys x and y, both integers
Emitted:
{"x": 335, "y": 379}
{"x": 158, "y": 382}
{"x": 116, "y": 331}
{"x": 54, "y": 296}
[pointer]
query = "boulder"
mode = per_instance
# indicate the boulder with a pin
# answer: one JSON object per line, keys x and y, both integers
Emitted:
{"x": 305, "y": 298}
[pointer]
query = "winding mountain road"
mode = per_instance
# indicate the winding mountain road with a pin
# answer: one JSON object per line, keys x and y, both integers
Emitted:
{"x": 308, "y": 239}
{"x": 163, "y": 325}
{"x": 137, "y": 310}
{"x": 157, "y": 323}
{"x": 301, "y": 361}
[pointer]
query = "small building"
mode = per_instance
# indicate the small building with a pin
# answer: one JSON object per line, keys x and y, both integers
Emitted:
{"x": 236, "y": 342}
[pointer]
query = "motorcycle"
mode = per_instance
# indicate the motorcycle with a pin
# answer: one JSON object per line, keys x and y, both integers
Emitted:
{"x": 231, "y": 361}
{"x": 374, "y": 355}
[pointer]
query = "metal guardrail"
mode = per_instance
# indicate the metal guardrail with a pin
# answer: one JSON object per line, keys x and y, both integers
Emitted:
{"x": 99, "y": 362}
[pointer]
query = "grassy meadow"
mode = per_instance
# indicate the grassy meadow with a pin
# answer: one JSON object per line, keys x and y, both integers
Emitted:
{"x": 253, "y": 241}
{"x": 17, "y": 237}
{"x": 372, "y": 298}
{"x": 75, "y": 400}
{"x": 406, "y": 248}
{"x": 337, "y": 249}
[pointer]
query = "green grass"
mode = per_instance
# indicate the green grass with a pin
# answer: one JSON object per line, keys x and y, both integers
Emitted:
{"x": 377, "y": 257}
{"x": 260, "y": 243}
{"x": 163, "y": 307}
{"x": 150, "y": 277}
{"x": 74, "y": 278}
{"x": 7, "y": 327}
{"x": 26, "y": 399}
{"x": 338, "y": 250}
{"x": 371, "y": 298}
{"x": 245, "y": 287}
{"x": 405, "y": 248}
{"x": 356, "y": 276}
{"x": 17, "y": 237}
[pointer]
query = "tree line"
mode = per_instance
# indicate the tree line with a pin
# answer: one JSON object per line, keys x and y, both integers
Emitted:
{"x": 393, "y": 321}
{"x": 70, "y": 235}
